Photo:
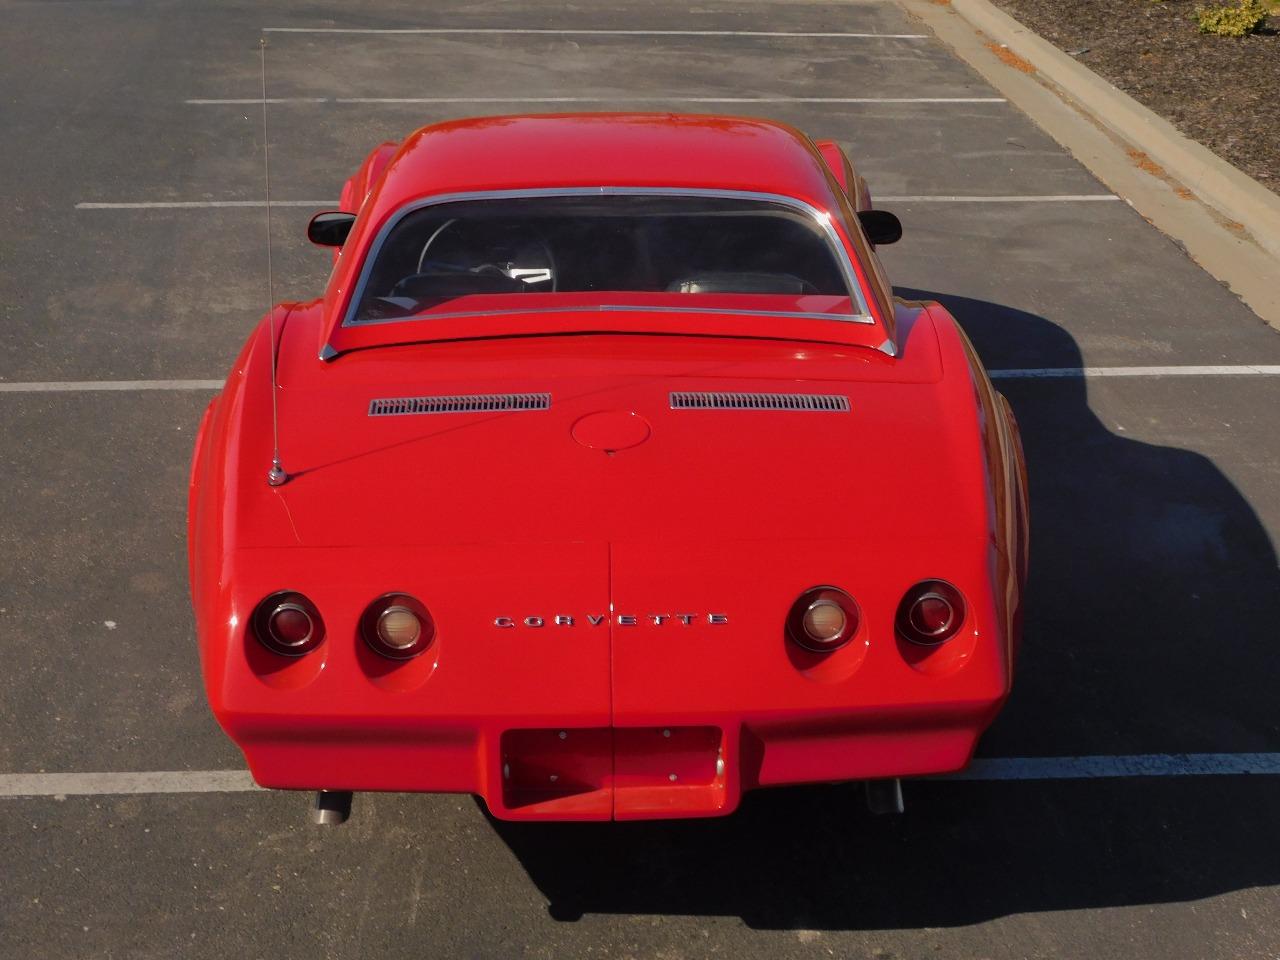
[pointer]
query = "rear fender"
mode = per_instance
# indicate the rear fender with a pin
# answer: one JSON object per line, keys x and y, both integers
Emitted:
{"x": 842, "y": 169}
{"x": 361, "y": 182}
{"x": 193, "y": 486}
{"x": 1021, "y": 494}
{"x": 358, "y": 185}
{"x": 1006, "y": 474}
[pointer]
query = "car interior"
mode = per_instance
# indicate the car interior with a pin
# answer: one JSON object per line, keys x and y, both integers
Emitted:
{"x": 663, "y": 244}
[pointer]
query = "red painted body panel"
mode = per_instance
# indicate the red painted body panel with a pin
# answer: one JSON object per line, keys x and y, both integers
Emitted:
{"x": 683, "y": 515}
{"x": 842, "y": 169}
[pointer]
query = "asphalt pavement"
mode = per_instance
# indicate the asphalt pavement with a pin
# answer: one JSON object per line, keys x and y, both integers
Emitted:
{"x": 1155, "y": 596}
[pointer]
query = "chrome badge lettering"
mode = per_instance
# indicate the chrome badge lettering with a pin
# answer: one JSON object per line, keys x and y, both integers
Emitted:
{"x": 621, "y": 619}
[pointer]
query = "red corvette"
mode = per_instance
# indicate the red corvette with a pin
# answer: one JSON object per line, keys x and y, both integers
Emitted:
{"x": 607, "y": 480}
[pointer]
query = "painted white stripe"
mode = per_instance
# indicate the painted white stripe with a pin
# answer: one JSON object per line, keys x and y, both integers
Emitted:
{"x": 253, "y": 101}
{"x": 1025, "y": 198}
{"x": 482, "y": 31}
{"x": 667, "y": 99}
{"x": 250, "y": 204}
{"x": 99, "y": 784}
{"x": 1139, "y": 765}
{"x": 1076, "y": 373}
{"x": 84, "y": 386}
{"x": 259, "y": 101}
{"x": 638, "y": 98}
{"x": 199, "y": 204}
{"x": 13, "y": 785}
{"x": 1047, "y": 373}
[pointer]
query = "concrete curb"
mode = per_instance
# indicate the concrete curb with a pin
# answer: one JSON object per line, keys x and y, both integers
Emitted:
{"x": 1236, "y": 195}
{"x": 1226, "y": 221}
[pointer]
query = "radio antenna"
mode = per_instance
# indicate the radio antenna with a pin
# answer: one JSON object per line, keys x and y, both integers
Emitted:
{"x": 276, "y": 475}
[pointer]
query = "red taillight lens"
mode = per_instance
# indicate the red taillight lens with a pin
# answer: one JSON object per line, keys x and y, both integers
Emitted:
{"x": 932, "y": 612}
{"x": 288, "y": 623}
{"x": 823, "y": 619}
{"x": 290, "y": 626}
{"x": 397, "y": 626}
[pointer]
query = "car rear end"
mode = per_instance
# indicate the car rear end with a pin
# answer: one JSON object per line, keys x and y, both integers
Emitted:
{"x": 692, "y": 572}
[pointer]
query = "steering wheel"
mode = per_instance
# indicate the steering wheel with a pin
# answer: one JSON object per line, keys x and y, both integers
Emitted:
{"x": 528, "y": 257}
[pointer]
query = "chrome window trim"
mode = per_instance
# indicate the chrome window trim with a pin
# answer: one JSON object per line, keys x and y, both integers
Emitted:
{"x": 616, "y": 308}
{"x": 819, "y": 217}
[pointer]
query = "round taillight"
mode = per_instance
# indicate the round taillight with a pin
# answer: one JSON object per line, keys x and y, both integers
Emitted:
{"x": 823, "y": 619}
{"x": 931, "y": 612}
{"x": 288, "y": 623}
{"x": 397, "y": 626}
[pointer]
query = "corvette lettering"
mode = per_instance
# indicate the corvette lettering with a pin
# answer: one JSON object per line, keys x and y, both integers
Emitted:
{"x": 621, "y": 619}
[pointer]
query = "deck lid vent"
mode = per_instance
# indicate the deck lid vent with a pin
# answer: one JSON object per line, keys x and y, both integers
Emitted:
{"x": 463, "y": 403}
{"x": 821, "y": 402}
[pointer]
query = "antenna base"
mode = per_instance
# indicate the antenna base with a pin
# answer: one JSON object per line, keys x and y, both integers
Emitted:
{"x": 276, "y": 475}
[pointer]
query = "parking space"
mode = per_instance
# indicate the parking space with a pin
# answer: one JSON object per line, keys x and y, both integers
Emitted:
{"x": 611, "y": 69}
{"x": 149, "y": 293}
{"x": 1155, "y": 501}
{"x": 1006, "y": 871}
{"x": 1107, "y": 289}
{"x": 1159, "y": 499}
{"x": 94, "y": 549}
{"x": 984, "y": 151}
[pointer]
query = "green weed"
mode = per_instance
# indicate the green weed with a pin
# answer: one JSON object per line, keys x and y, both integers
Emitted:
{"x": 1238, "y": 21}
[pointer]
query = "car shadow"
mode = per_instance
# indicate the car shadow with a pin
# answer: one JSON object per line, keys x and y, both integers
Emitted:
{"x": 1150, "y": 628}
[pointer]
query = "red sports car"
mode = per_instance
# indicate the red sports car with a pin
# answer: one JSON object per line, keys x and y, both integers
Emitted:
{"x": 607, "y": 480}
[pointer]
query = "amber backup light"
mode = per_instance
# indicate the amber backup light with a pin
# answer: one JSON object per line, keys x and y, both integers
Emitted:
{"x": 397, "y": 626}
{"x": 288, "y": 624}
{"x": 931, "y": 612}
{"x": 823, "y": 619}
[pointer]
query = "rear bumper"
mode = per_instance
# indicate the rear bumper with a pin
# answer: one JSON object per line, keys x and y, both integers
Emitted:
{"x": 574, "y": 772}
{"x": 725, "y": 705}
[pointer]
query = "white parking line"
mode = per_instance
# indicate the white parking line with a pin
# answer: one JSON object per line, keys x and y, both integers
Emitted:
{"x": 482, "y": 31}
{"x": 250, "y": 204}
{"x": 1047, "y": 373}
{"x": 199, "y": 204}
{"x": 259, "y": 101}
{"x": 1075, "y": 373}
{"x": 103, "y": 784}
{"x": 654, "y": 98}
{"x": 83, "y": 386}
{"x": 666, "y": 99}
{"x": 16, "y": 785}
{"x": 1024, "y": 198}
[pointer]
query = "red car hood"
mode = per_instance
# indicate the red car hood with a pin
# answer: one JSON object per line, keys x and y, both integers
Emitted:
{"x": 610, "y": 460}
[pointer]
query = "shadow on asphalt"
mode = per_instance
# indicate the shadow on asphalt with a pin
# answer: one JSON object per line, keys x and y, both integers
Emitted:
{"x": 813, "y": 858}
{"x": 1151, "y": 627}
{"x": 1154, "y": 597}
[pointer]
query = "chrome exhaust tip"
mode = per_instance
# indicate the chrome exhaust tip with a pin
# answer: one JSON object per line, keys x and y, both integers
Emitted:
{"x": 884, "y": 796}
{"x": 331, "y": 807}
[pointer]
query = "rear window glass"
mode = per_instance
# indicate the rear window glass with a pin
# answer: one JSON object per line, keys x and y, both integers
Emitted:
{"x": 610, "y": 244}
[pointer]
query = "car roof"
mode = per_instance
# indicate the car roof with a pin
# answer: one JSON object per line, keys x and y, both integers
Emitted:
{"x": 660, "y": 151}
{"x": 605, "y": 149}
